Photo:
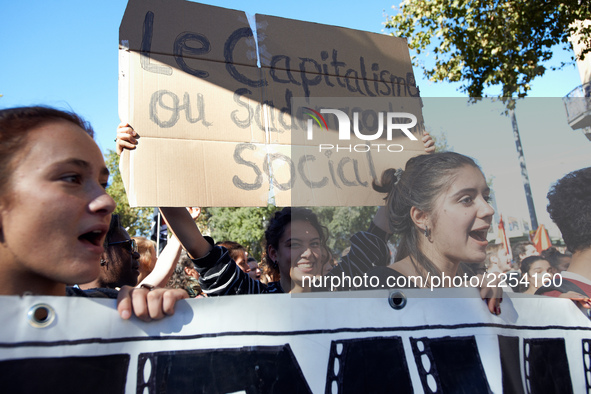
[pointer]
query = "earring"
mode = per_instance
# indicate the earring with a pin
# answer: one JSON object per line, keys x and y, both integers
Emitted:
{"x": 427, "y": 233}
{"x": 103, "y": 262}
{"x": 276, "y": 264}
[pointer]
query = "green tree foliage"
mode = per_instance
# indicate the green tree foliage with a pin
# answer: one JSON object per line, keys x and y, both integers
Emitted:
{"x": 247, "y": 225}
{"x": 441, "y": 143}
{"x": 137, "y": 221}
{"x": 244, "y": 225}
{"x": 343, "y": 222}
{"x": 486, "y": 43}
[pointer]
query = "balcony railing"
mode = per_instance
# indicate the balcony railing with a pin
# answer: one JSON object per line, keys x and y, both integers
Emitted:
{"x": 578, "y": 106}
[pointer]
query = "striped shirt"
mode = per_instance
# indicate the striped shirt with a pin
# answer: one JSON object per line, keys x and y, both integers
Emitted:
{"x": 219, "y": 274}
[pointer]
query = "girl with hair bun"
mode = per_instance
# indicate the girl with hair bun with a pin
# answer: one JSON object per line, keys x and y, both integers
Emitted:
{"x": 439, "y": 206}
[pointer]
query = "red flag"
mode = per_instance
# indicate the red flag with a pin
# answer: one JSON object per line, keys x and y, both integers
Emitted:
{"x": 541, "y": 239}
{"x": 504, "y": 239}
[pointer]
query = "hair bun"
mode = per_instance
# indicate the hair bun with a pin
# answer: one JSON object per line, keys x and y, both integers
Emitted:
{"x": 390, "y": 178}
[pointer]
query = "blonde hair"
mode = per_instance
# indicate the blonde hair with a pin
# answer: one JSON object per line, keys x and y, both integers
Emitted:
{"x": 147, "y": 250}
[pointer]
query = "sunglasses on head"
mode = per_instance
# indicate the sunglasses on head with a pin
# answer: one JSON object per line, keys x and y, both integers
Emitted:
{"x": 129, "y": 244}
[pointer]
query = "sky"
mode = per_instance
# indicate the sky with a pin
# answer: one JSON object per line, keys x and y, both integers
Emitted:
{"x": 64, "y": 53}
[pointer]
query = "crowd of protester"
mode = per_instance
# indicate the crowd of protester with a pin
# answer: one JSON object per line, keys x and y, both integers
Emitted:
{"x": 53, "y": 180}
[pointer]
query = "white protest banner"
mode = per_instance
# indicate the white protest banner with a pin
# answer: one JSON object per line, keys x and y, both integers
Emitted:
{"x": 215, "y": 113}
{"x": 424, "y": 342}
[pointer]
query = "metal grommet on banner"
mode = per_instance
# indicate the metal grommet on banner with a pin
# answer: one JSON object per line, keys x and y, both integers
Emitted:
{"x": 40, "y": 315}
{"x": 397, "y": 300}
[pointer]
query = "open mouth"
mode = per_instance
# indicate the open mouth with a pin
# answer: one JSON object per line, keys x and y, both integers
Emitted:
{"x": 95, "y": 237}
{"x": 479, "y": 235}
{"x": 306, "y": 267}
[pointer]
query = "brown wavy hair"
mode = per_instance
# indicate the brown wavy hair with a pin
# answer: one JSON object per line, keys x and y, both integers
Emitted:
{"x": 423, "y": 180}
{"x": 276, "y": 228}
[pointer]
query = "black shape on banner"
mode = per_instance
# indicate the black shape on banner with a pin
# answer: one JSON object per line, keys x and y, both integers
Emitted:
{"x": 546, "y": 366}
{"x": 587, "y": 361}
{"x": 368, "y": 365}
{"x": 254, "y": 369}
{"x": 450, "y": 365}
{"x": 97, "y": 374}
{"x": 510, "y": 365}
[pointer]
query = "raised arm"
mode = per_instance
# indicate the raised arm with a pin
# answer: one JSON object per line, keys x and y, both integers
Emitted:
{"x": 181, "y": 223}
{"x": 165, "y": 264}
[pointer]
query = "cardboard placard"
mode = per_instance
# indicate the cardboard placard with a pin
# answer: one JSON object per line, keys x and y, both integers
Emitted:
{"x": 308, "y": 344}
{"x": 202, "y": 93}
